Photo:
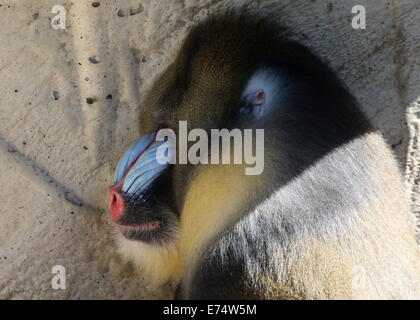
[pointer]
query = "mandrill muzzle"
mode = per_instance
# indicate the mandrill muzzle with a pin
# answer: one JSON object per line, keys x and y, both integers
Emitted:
{"x": 136, "y": 171}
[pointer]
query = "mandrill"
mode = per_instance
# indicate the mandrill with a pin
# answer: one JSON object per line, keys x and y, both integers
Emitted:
{"x": 327, "y": 218}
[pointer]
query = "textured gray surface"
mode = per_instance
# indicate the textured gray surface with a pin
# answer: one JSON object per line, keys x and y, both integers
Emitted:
{"x": 57, "y": 152}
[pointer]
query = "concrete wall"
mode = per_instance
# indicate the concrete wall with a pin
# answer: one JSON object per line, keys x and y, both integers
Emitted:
{"x": 57, "y": 152}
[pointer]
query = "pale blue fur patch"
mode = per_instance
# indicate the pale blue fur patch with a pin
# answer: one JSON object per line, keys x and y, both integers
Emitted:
{"x": 131, "y": 154}
{"x": 145, "y": 169}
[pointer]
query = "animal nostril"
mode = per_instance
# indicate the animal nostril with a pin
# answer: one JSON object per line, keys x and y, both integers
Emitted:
{"x": 116, "y": 204}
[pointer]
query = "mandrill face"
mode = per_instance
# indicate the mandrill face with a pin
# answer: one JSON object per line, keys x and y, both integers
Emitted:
{"x": 137, "y": 200}
{"x": 148, "y": 199}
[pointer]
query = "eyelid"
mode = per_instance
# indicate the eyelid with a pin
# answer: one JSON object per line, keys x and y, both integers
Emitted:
{"x": 245, "y": 109}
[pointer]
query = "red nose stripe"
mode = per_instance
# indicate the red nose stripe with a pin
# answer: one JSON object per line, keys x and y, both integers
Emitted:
{"x": 116, "y": 202}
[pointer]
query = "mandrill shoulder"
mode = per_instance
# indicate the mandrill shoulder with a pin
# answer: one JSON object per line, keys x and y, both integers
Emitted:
{"x": 346, "y": 216}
